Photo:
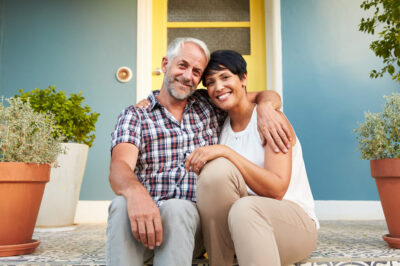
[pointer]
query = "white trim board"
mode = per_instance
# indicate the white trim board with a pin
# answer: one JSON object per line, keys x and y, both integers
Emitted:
{"x": 97, "y": 211}
{"x": 348, "y": 210}
{"x": 273, "y": 45}
{"x": 144, "y": 49}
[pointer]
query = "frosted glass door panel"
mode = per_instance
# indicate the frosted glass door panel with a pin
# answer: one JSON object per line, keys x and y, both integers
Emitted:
{"x": 237, "y": 39}
{"x": 208, "y": 10}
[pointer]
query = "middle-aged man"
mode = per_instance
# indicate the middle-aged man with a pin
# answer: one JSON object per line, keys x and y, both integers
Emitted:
{"x": 155, "y": 213}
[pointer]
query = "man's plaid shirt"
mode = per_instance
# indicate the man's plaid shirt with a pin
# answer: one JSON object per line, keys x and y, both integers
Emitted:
{"x": 164, "y": 144}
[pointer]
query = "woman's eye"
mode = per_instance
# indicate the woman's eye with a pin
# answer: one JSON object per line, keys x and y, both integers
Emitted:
{"x": 208, "y": 83}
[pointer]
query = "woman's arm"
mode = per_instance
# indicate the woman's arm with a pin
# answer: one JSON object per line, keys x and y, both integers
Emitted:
{"x": 271, "y": 126}
{"x": 271, "y": 181}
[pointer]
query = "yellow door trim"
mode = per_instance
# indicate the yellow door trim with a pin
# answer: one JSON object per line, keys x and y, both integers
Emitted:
{"x": 225, "y": 24}
{"x": 256, "y": 61}
{"x": 256, "y": 69}
{"x": 159, "y": 38}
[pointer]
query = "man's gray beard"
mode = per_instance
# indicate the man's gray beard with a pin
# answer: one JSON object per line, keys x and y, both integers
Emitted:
{"x": 172, "y": 92}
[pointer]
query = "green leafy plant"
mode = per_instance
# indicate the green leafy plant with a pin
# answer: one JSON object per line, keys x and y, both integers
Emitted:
{"x": 386, "y": 18}
{"x": 75, "y": 121}
{"x": 27, "y": 136}
{"x": 379, "y": 136}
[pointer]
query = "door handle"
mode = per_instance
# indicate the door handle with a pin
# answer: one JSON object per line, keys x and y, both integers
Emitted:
{"x": 157, "y": 71}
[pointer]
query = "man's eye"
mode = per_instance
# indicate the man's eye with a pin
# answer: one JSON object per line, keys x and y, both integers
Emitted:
{"x": 208, "y": 83}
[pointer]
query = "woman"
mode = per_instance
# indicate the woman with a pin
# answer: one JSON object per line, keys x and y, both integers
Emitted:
{"x": 252, "y": 201}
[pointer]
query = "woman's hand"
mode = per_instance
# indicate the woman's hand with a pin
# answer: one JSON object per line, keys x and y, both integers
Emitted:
{"x": 200, "y": 156}
{"x": 144, "y": 103}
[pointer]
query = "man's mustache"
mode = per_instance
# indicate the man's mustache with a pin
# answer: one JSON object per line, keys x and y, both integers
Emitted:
{"x": 184, "y": 81}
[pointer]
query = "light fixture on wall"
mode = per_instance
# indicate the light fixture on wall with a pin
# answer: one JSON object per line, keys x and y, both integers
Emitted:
{"x": 124, "y": 74}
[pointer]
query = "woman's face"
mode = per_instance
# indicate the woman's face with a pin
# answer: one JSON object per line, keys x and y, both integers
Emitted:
{"x": 225, "y": 88}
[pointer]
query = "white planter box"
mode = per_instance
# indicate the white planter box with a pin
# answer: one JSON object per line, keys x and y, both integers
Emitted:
{"x": 62, "y": 192}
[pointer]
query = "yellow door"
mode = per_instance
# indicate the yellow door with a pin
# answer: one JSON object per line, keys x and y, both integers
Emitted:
{"x": 222, "y": 24}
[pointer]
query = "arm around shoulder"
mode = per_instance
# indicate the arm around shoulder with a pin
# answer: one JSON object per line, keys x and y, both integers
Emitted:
{"x": 268, "y": 96}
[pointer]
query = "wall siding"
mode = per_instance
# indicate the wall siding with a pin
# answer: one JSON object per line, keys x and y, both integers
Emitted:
{"x": 327, "y": 89}
{"x": 76, "y": 46}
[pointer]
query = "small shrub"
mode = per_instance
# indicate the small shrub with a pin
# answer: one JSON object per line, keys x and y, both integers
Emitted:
{"x": 27, "y": 136}
{"x": 76, "y": 122}
{"x": 379, "y": 136}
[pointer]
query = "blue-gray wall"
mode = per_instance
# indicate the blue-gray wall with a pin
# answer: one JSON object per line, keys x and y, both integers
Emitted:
{"x": 76, "y": 46}
{"x": 326, "y": 86}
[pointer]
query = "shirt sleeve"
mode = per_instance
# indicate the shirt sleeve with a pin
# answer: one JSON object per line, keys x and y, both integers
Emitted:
{"x": 127, "y": 129}
{"x": 221, "y": 114}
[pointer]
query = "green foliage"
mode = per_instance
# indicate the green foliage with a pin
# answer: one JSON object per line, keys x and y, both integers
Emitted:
{"x": 386, "y": 17}
{"x": 27, "y": 136}
{"x": 76, "y": 122}
{"x": 379, "y": 136}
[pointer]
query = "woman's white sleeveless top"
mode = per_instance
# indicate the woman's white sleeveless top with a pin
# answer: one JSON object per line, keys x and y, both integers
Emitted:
{"x": 248, "y": 144}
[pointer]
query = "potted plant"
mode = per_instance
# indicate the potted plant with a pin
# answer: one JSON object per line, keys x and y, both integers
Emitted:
{"x": 76, "y": 123}
{"x": 379, "y": 136}
{"x": 27, "y": 148}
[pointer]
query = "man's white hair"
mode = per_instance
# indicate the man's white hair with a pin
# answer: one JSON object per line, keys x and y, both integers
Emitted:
{"x": 175, "y": 46}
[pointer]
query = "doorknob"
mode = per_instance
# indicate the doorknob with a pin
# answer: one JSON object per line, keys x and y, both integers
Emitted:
{"x": 157, "y": 71}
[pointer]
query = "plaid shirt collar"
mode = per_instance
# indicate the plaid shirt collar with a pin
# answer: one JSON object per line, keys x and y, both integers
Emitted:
{"x": 154, "y": 103}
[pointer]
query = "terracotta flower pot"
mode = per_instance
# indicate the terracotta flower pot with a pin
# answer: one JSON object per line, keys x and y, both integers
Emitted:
{"x": 387, "y": 177}
{"x": 21, "y": 191}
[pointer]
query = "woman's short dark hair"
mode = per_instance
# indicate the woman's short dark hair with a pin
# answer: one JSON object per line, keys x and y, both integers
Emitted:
{"x": 225, "y": 59}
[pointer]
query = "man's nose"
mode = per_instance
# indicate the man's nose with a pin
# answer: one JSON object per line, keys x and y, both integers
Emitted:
{"x": 187, "y": 74}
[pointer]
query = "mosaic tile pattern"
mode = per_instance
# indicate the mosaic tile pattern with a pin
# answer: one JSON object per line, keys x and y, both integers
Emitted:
{"x": 83, "y": 246}
{"x": 340, "y": 243}
{"x": 352, "y": 243}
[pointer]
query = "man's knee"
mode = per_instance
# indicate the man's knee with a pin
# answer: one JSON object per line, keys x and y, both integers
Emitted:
{"x": 118, "y": 214}
{"x": 216, "y": 173}
{"x": 117, "y": 206}
{"x": 178, "y": 214}
{"x": 178, "y": 211}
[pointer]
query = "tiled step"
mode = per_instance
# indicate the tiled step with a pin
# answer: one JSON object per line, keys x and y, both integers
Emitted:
{"x": 339, "y": 243}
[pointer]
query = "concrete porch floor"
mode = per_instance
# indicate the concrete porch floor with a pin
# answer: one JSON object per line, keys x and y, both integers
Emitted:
{"x": 339, "y": 243}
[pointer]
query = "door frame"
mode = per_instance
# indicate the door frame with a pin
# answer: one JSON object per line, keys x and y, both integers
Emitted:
{"x": 273, "y": 47}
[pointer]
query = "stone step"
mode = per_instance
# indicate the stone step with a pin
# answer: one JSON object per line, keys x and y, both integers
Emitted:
{"x": 339, "y": 243}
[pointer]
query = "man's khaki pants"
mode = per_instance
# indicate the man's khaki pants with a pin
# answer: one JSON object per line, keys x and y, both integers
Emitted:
{"x": 260, "y": 230}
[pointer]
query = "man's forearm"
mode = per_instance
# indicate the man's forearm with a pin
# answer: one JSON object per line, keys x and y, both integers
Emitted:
{"x": 123, "y": 181}
{"x": 269, "y": 96}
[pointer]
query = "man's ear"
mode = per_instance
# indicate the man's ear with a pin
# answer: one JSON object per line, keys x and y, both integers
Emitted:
{"x": 164, "y": 64}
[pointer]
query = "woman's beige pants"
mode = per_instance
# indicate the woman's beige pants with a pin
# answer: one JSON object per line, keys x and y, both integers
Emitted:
{"x": 260, "y": 230}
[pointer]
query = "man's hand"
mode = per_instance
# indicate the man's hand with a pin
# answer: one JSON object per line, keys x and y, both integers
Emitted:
{"x": 145, "y": 218}
{"x": 272, "y": 128}
{"x": 142, "y": 211}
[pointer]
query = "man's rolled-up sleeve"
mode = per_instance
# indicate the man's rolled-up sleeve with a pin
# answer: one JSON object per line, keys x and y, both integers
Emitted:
{"x": 127, "y": 129}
